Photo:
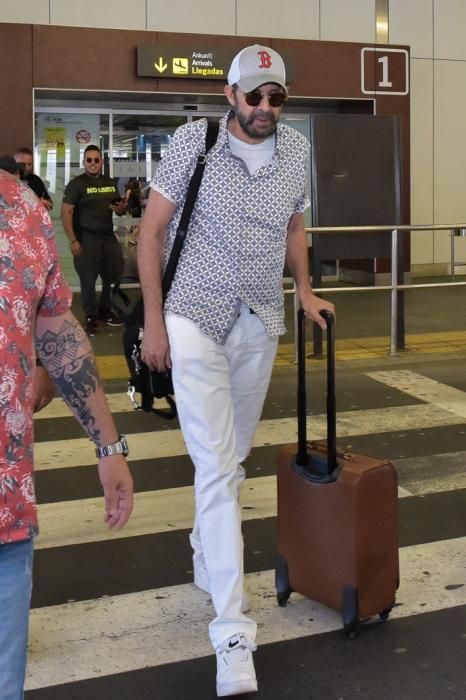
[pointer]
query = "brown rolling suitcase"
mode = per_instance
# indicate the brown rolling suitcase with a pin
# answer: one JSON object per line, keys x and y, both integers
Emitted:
{"x": 337, "y": 516}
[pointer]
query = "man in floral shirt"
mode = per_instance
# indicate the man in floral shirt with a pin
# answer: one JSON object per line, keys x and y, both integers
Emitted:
{"x": 35, "y": 318}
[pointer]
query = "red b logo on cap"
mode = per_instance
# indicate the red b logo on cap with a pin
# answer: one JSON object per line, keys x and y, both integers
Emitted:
{"x": 266, "y": 59}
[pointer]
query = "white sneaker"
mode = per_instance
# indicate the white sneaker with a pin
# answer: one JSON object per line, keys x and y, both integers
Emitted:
{"x": 235, "y": 667}
{"x": 201, "y": 580}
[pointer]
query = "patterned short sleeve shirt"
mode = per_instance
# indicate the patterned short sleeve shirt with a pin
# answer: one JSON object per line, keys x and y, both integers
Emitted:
{"x": 31, "y": 284}
{"x": 236, "y": 243}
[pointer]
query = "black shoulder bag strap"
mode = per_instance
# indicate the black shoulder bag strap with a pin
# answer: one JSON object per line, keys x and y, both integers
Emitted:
{"x": 191, "y": 195}
{"x": 121, "y": 301}
{"x": 136, "y": 315}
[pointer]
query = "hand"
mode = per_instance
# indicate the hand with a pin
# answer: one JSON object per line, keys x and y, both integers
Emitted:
{"x": 313, "y": 305}
{"x": 48, "y": 204}
{"x": 43, "y": 389}
{"x": 155, "y": 347}
{"x": 76, "y": 248}
{"x": 117, "y": 484}
{"x": 119, "y": 208}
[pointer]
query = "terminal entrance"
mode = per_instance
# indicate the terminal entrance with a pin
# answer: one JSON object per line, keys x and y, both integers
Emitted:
{"x": 132, "y": 132}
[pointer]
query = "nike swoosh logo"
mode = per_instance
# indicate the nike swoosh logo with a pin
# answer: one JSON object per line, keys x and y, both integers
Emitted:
{"x": 231, "y": 646}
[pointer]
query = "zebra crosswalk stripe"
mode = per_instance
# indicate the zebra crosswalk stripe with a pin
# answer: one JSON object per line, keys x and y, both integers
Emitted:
{"x": 75, "y": 522}
{"x": 433, "y": 392}
{"x": 110, "y": 635}
{"x": 155, "y": 444}
{"x": 100, "y": 637}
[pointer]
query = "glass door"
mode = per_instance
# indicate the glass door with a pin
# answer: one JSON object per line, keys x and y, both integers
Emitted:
{"x": 139, "y": 141}
{"x": 138, "y": 144}
{"x": 132, "y": 143}
{"x": 60, "y": 140}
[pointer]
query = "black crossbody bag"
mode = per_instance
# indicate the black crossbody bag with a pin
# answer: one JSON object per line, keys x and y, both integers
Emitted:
{"x": 152, "y": 384}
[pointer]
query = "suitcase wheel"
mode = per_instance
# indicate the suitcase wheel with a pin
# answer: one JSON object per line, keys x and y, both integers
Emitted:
{"x": 351, "y": 631}
{"x": 282, "y": 581}
{"x": 385, "y": 614}
{"x": 350, "y": 610}
{"x": 282, "y": 598}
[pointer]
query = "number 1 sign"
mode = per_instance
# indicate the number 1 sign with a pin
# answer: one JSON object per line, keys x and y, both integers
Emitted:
{"x": 384, "y": 71}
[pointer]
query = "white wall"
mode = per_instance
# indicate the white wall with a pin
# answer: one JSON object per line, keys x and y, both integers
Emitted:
{"x": 341, "y": 20}
{"x": 436, "y": 32}
{"x": 26, "y": 11}
{"x": 434, "y": 29}
{"x": 269, "y": 19}
{"x": 422, "y": 159}
{"x": 113, "y": 14}
{"x": 200, "y": 17}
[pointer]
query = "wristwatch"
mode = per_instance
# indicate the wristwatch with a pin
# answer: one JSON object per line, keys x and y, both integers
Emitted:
{"x": 116, "y": 448}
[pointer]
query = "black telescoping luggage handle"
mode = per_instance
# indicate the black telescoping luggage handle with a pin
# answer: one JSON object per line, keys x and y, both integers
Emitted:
{"x": 126, "y": 313}
{"x": 302, "y": 456}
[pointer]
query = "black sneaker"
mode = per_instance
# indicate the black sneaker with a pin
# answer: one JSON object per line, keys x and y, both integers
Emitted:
{"x": 111, "y": 319}
{"x": 108, "y": 317}
{"x": 90, "y": 325}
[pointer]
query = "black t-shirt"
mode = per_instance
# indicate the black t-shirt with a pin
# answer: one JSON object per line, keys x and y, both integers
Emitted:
{"x": 91, "y": 197}
{"x": 37, "y": 186}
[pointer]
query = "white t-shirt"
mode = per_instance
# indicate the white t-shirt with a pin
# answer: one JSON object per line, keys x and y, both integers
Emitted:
{"x": 255, "y": 155}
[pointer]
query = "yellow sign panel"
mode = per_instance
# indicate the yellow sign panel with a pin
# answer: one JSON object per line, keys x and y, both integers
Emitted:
{"x": 181, "y": 66}
{"x": 54, "y": 138}
{"x": 183, "y": 61}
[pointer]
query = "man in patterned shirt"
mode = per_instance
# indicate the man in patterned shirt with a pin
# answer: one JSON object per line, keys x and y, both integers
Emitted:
{"x": 222, "y": 318}
{"x": 36, "y": 318}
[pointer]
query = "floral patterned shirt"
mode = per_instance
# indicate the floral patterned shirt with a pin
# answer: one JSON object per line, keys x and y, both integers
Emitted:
{"x": 31, "y": 284}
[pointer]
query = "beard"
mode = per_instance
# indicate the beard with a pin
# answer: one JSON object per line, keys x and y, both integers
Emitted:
{"x": 253, "y": 129}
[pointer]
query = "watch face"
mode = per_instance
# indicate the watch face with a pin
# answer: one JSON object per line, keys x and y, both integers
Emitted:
{"x": 124, "y": 445}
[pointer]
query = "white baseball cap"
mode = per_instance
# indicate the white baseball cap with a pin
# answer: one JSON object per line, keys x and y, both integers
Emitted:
{"x": 256, "y": 65}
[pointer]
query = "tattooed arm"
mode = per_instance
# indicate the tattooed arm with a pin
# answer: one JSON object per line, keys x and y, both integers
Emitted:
{"x": 65, "y": 351}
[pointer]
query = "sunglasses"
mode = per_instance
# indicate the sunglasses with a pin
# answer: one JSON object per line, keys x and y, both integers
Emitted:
{"x": 92, "y": 160}
{"x": 275, "y": 99}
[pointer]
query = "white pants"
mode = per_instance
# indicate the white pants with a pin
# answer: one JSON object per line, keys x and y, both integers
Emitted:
{"x": 220, "y": 391}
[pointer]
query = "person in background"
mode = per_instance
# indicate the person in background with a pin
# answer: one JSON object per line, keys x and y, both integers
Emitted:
{"x": 24, "y": 156}
{"x": 133, "y": 198}
{"x": 225, "y": 310}
{"x": 36, "y": 321}
{"x": 9, "y": 165}
{"x": 89, "y": 202}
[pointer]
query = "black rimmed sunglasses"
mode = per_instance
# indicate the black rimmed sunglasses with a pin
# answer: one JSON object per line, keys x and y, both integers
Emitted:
{"x": 93, "y": 160}
{"x": 275, "y": 99}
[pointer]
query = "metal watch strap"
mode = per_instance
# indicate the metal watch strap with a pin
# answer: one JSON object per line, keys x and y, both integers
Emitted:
{"x": 116, "y": 448}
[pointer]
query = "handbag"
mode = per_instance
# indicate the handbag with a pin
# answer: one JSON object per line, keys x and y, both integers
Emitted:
{"x": 152, "y": 384}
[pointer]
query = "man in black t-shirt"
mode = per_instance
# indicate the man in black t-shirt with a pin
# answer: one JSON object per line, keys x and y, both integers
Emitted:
{"x": 24, "y": 156}
{"x": 87, "y": 211}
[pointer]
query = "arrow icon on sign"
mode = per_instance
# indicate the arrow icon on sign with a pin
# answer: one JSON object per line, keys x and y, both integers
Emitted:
{"x": 160, "y": 66}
